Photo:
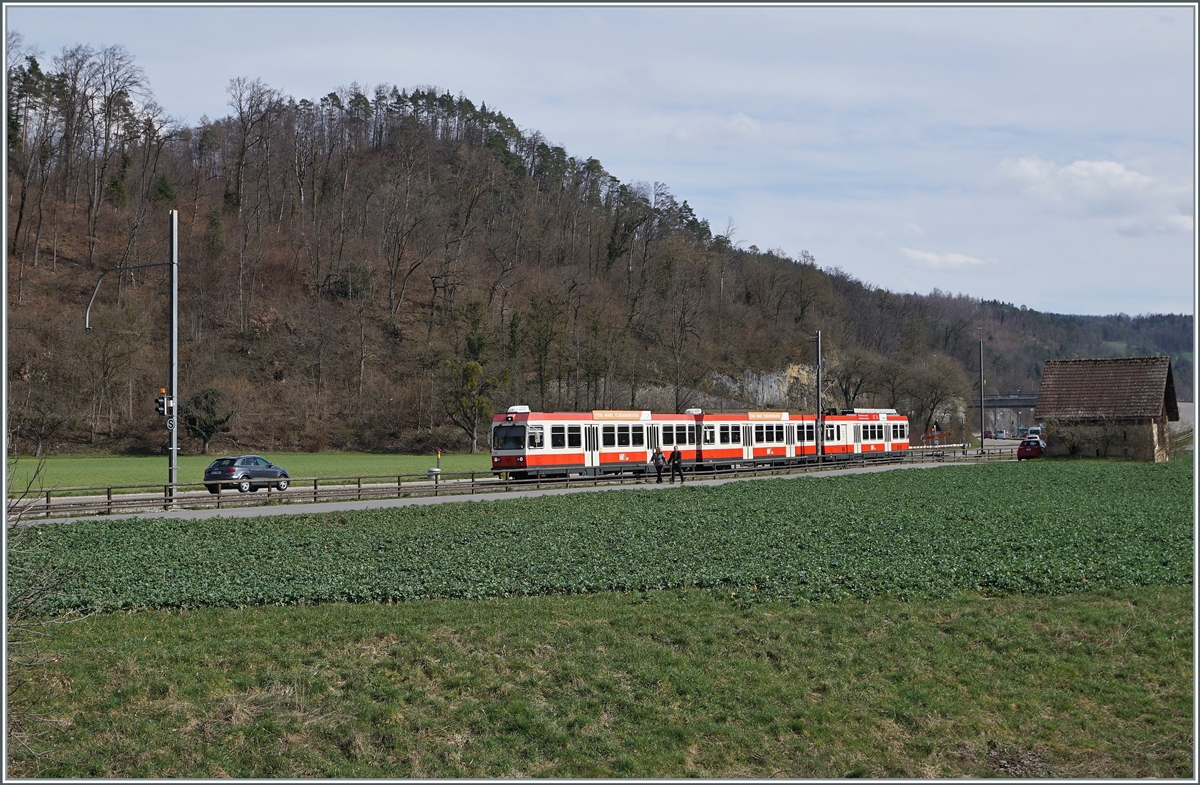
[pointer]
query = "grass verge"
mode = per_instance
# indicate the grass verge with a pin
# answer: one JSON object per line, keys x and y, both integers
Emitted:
{"x": 660, "y": 684}
{"x": 146, "y": 470}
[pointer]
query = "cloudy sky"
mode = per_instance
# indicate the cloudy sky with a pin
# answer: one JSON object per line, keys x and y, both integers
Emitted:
{"x": 1035, "y": 155}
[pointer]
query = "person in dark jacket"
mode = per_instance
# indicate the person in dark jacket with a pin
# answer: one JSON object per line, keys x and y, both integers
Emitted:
{"x": 677, "y": 466}
{"x": 659, "y": 461}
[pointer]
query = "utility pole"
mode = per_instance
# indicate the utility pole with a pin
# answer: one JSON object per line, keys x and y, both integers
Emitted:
{"x": 981, "y": 409}
{"x": 820, "y": 411}
{"x": 173, "y": 420}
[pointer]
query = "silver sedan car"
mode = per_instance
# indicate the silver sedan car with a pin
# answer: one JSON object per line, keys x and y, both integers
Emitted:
{"x": 244, "y": 472}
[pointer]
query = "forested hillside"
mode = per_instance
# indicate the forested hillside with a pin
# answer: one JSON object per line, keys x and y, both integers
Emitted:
{"x": 381, "y": 268}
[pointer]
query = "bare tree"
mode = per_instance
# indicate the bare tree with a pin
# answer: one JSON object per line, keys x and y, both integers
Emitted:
{"x": 936, "y": 382}
{"x": 113, "y": 83}
{"x": 853, "y": 372}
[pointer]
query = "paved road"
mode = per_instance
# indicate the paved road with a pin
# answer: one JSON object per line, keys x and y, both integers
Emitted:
{"x": 375, "y": 504}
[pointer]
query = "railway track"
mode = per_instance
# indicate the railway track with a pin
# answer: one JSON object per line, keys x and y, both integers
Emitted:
{"x": 50, "y": 503}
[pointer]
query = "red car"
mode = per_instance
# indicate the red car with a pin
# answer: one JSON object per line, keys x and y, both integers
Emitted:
{"x": 1031, "y": 448}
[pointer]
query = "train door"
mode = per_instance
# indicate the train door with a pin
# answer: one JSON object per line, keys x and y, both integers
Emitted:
{"x": 791, "y": 441}
{"x": 747, "y": 443}
{"x": 591, "y": 449}
{"x": 857, "y": 438}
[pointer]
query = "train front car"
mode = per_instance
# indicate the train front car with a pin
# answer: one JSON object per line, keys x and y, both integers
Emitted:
{"x": 556, "y": 444}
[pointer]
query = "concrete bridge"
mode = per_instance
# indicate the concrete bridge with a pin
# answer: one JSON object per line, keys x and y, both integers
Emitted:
{"x": 1006, "y": 400}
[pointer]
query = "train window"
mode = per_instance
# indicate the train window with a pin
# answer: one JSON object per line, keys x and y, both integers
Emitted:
{"x": 735, "y": 434}
{"x": 829, "y": 433}
{"x": 668, "y": 436}
{"x": 536, "y": 437}
{"x": 637, "y": 436}
{"x": 574, "y": 438}
{"x": 622, "y": 435}
{"x": 681, "y": 434}
{"x": 609, "y": 436}
{"x": 710, "y": 434}
{"x": 724, "y": 434}
{"x": 508, "y": 437}
{"x": 758, "y": 434}
{"x": 691, "y": 434}
{"x": 558, "y": 436}
{"x": 779, "y": 434}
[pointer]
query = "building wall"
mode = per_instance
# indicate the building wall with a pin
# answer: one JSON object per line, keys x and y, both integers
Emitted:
{"x": 1143, "y": 440}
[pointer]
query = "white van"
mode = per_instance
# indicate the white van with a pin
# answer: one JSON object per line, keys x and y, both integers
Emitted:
{"x": 1034, "y": 433}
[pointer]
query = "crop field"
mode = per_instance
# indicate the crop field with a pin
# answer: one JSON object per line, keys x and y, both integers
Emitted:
{"x": 1005, "y": 620}
{"x": 1045, "y": 528}
{"x": 148, "y": 470}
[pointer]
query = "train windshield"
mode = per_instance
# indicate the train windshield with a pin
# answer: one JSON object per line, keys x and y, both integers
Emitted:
{"x": 508, "y": 437}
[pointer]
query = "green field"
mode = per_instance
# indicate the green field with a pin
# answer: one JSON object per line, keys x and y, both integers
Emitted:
{"x": 149, "y": 470}
{"x": 1049, "y": 527}
{"x": 1006, "y": 620}
{"x": 658, "y": 684}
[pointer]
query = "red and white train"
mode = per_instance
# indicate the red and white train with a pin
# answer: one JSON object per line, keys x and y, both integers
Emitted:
{"x": 526, "y": 443}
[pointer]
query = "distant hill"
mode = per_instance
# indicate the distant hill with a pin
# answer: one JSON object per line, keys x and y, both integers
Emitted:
{"x": 379, "y": 269}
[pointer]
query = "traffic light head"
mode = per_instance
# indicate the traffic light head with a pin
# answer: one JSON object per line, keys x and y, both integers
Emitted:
{"x": 160, "y": 405}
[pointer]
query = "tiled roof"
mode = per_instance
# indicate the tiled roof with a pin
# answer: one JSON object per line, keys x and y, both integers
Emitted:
{"x": 1124, "y": 388}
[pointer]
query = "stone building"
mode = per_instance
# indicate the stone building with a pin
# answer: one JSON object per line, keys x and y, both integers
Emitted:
{"x": 1108, "y": 407}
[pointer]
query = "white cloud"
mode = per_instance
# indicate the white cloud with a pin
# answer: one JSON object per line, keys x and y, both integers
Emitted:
{"x": 715, "y": 129}
{"x": 947, "y": 261}
{"x": 1135, "y": 203}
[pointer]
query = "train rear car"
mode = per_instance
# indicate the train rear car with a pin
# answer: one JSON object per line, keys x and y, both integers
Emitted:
{"x": 865, "y": 432}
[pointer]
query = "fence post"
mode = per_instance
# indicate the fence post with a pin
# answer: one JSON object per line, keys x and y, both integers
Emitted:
{"x": 315, "y": 481}
{"x": 360, "y": 489}
{"x": 110, "y": 500}
{"x": 398, "y": 494}
{"x": 47, "y": 504}
{"x": 166, "y": 497}
{"x": 472, "y": 483}
{"x": 435, "y": 484}
{"x": 218, "y": 496}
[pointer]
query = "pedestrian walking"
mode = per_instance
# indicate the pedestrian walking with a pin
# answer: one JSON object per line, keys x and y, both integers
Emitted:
{"x": 659, "y": 460}
{"x": 677, "y": 466}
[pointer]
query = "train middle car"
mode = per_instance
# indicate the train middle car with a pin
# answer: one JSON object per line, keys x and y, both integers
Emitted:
{"x": 546, "y": 444}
